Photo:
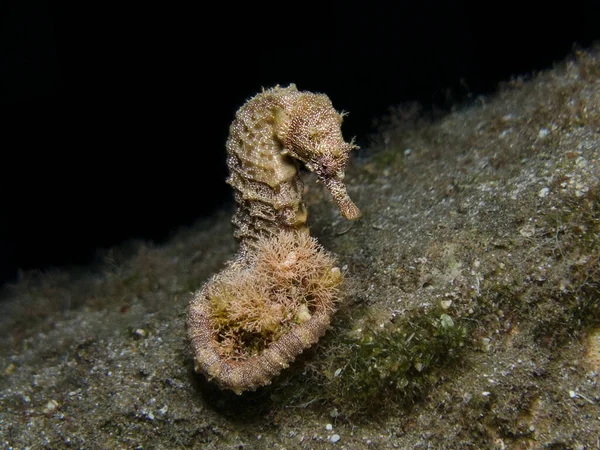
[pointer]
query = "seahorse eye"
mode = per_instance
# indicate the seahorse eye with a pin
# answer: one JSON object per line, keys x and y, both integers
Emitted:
{"x": 327, "y": 167}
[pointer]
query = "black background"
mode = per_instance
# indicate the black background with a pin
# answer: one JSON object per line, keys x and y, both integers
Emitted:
{"x": 116, "y": 115}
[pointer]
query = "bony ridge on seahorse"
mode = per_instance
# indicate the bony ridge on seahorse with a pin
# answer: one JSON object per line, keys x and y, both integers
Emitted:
{"x": 276, "y": 298}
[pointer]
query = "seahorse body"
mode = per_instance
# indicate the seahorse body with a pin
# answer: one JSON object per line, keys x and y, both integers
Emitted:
{"x": 276, "y": 298}
{"x": 271, "y": 132}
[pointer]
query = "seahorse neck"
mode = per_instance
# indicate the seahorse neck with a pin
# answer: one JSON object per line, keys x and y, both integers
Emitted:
{"x": 265, "y": 179}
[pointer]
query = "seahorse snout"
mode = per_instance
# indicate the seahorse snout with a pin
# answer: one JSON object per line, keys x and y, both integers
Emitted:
{"x": 338, "y": 191}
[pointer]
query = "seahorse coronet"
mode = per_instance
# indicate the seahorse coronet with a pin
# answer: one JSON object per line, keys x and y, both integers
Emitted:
{"x": 277, "y": 297}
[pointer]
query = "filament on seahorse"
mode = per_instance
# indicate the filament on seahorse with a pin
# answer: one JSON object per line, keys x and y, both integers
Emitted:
{"x": 276, "y": 298}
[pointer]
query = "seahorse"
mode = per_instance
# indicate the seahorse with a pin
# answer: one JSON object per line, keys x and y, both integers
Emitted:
{"x": 277, "y": 296}
{"x": 271, "y": 132}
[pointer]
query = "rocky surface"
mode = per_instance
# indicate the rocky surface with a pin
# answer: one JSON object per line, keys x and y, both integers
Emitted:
{"x": 472, "y": 317}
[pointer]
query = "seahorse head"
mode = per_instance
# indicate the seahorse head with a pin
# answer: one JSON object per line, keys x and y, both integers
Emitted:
{"x": 310, "y": 130}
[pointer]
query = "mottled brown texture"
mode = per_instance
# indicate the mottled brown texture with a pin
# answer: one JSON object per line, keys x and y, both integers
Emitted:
{"x": 277, "y": 297}
{"x": 271, "y": 133}
{"x": 259, "y": 369}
